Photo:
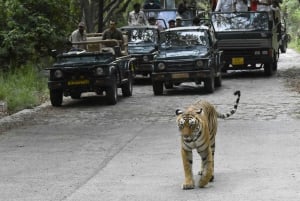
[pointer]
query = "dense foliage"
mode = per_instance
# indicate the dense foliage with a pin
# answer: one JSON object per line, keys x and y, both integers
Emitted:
{"x": 32, "y": 28}
{"x": 291, "y": 9}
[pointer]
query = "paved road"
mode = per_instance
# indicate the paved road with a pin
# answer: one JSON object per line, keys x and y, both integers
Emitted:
{"x": 88, "y": 151}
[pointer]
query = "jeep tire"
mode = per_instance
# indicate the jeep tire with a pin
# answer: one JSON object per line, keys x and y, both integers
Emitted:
{"x": 158, "y": 88}
{"x": 268, "y": 69}
{"x": 56, "y": 97}
{"x": 209, "y": 85}
{"x": 112, "y": 93}
{"x": 218, "y": 81}
{"x": 169, "y": 85}
{"x": 75, "y": 95}
{"x": 127, "y": 87}
{"x": 283, "y": 46}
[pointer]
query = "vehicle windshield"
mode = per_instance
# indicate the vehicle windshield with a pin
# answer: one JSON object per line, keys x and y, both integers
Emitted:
{"x": 184, "y": 39}
{"x": 102, "y": 58}
{"x": 240, "y": 21}
{"x": 142, "y": 36}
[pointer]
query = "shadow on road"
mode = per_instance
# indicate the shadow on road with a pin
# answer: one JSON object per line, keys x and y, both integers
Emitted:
{"x": 244, "y": 74}
{"x": 142, "y": 81}
{"x": 88, "y": 101}
{"x": 187, "y": 89}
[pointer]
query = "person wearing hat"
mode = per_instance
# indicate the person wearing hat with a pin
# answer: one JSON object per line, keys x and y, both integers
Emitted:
{"x": 171, "y": 23}
{"x": 178, "y": 21}
{"x": 151, "y": 4}
{"x": 78, "y": 35}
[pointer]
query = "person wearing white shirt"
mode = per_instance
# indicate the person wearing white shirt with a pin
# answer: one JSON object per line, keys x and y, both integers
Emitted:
{"x": 78, "y": 35}
{"x": 225, "y": 6}
{"x": 137, "y": 17}
{"x": 240, "y": 5}
{"x": 263, "y": 5}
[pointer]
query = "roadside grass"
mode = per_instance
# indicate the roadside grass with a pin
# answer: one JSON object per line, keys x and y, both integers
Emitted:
{"x": 294, "y": 45}
{"x": 23, "y": 88}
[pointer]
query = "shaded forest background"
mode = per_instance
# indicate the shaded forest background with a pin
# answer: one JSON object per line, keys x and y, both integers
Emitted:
{"x": 30, "y": 29}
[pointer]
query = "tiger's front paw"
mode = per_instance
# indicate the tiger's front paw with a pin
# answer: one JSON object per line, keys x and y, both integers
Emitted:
{"x": 202, "y": 183}
{"x": 187, "y": 186}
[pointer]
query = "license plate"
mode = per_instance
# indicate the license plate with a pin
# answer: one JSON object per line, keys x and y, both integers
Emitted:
{"x": 180, "y": 75}
{"x": 238, "y": 61}
{"x": 78, "y": 82}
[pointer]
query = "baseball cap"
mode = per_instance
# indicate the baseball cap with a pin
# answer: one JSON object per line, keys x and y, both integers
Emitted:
{"x": 81, "y": 24}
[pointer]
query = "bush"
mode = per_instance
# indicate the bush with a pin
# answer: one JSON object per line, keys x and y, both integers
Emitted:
{"x": 23, "y": 88}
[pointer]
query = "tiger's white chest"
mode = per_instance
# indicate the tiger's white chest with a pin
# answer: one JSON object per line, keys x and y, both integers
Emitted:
{"x": 193, "y": 141}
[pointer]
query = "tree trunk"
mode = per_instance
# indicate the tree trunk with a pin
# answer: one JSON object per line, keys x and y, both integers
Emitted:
{"x": 100, "y": 16}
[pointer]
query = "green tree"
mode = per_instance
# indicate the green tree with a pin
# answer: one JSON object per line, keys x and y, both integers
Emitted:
{"x": 96, "y": 13}
{"x": 291, "y": 10}
{"x": 34, "y": 27}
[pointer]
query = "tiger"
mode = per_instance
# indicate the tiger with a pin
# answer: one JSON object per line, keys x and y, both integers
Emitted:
{"x": 198, "y": 127}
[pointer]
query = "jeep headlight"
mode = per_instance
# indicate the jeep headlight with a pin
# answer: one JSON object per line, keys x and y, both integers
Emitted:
{"x": 145, "y": 58}
{"x": 99, "y": 71}
{"x": 161, "y": 66}
{"x": 58, "y": 74}
{"x": 199, "y": 63}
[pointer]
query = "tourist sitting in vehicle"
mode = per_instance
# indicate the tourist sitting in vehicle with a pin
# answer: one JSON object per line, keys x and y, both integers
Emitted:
{"x": 152, "y": 21}
{"x": 78, "y": 35}
{"x": 171, "y": 23}
{"x": 113, "y": 33}
{"x": 151, "y": 4}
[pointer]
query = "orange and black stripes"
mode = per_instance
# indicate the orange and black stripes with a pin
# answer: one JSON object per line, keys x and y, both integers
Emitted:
{"x": 198, "y": 127}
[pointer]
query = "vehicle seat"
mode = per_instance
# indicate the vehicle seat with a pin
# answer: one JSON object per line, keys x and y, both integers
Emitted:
{"x": 108, "y": 49}
{"x": 117, "y": 50}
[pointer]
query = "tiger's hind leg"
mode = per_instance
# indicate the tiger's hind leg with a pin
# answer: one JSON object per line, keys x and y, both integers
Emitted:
{"x": 207, "y": 169}
{"x": 213, "y": 167}
{"x": 187, "y": 159}
{"x": 213, "y": 164}
{"x": 213, "y": 161}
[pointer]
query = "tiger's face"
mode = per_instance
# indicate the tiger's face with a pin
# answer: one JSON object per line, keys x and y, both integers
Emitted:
{"x": 188, "y": 124}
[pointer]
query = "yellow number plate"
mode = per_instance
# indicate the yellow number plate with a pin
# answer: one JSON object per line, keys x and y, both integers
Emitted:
{"x": 78, "y": 82}
{"x": 180, "y": 75}
{"x": 238, "y": 61}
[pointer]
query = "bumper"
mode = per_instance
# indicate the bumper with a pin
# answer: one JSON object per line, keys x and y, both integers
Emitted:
{"x": 185, "y": 76}
{"x": 83, "y": 85}
{"x": 246, "y": 62}
{"x": 143, "y": 68}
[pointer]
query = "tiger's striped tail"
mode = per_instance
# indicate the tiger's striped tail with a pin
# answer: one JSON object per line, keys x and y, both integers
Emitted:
{"x": 226, "y": 115}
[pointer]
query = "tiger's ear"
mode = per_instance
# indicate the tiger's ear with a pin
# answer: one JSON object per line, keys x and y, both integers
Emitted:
{"x": 178, "y": 112}
{"x": 199, "y": 111}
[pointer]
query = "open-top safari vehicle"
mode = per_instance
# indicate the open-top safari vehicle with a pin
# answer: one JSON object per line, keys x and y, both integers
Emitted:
{"x": 142, "y": 45}
{"x": 102, "y": 66}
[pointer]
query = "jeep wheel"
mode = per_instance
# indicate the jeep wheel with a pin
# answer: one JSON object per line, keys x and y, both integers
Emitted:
{"x": 275, "y": 66}
{"x": 56, "y": 97}
{"x": 209, "y": 85}
{"x": 75, "y": 95}
{"x": 112, "y": 93}
{"x": 158, "y": 88}
{"x": 268, "y": 69}
{"x": 169, "y": 85}
{"x": 218, "y": 81}
{"x": 283, "y": 47}
{"x": 127, "y": 87}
